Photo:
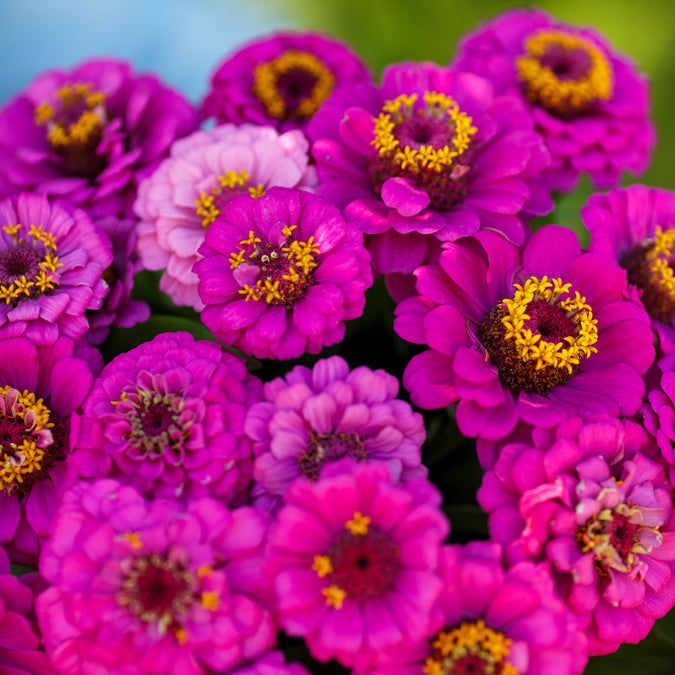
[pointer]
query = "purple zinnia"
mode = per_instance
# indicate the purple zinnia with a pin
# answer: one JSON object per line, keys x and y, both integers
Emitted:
{"x": 636, "y": 227}
{"x": 353, "y": 560}
{"x": 601, "y": 513}
{"x": 52, "y": 262}
{"x": 588, "y": 100}
{"x": 168, "y": 418}
{"x": 659, "y": 409}
{"x": 281, "y": 80}
{"x": 188, "y": 191}
{"x": 272, "y": 663}
{"x": 532, "y": 336}
{"x": 40, "y": 389}
{"x": 152, "y": 588}
{"x": 429, "y": 152}
{"x": 280, "y": 274}
{"x": 311, "y": 418}
{"x": 492, "y": 620}
{"x": 90, "y": 135}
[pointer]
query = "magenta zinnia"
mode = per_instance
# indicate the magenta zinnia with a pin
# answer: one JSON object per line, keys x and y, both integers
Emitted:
{"x": 281, "y": 274}
{"x": 168, "y": 417}
{"x": 152, "y": 588}
{"x": 533, "y": 336}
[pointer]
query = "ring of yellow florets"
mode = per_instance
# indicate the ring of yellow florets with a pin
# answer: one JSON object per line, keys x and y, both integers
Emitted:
{"x": 77, "y": 118}
{"x": 209, "y": 206}
{"x": 26, "y": 426}
{"x": 514, "y": 335}
{"x": 39, "y": 254}
{"x": 285, "y": 271}
{"x": 557, "y": 94}
{"x": 268, "y": 78}
{"x": 472, "y": 645}
{"x": 423, "y": 143}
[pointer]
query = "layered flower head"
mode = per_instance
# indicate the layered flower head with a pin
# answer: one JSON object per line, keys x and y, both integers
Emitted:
{"x": 491, "y": 620}
{"x": 155, "y": 587}
{"x": 281, "y": 273}
{"x": 282, "y": 80}
{"x": 168, "y": 418}
{"x": 635, "y": 226}
{"x": 532, "y": 336}
{"x": 90, "y": 135}
{"x": 353, "y": 560}
{"x": 188, "y": 191}
{"x": 588, "y": 100}
{"x": 429, "y": 152}
{"x": 311, "y": 418}
{"x": 40, "y": 389}
{"x": 52, "y": 261}
{"x": 601, "y": 513}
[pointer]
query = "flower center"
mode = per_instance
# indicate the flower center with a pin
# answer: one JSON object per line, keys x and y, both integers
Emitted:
{"x": 324, "y": 448}
{"x": 650, "y": 267}
{"x": 469, "y": 649}
{"x": 279, "y": 274}
{"x": 27, "y": 440}
{"x": 294, "y": 84}
{"x": 28, "y": 267}
{"x": 232, "y": 184}
{"x": 74, "y": 124}
{"x": 616, "y": 536}
{"x": 157, "y": 428}
{"x": 362, "y": 563}
{"x": 426, "y": 142}
{"x": 536, "y": 339}
{"x": 563, "y": 73}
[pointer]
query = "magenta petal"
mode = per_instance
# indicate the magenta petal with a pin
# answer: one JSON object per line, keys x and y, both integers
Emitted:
{"x": 404, "y": 196}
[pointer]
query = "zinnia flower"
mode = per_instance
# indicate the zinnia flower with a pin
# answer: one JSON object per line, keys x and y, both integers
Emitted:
{"x": 273, "y": 663}
{"x": 588, "y": 100}
{"x": 536, "y": 336}
{"x": 281, "y": 274}
{"x": 311, "y": 418}
{"x": 168, "y": 418}
{"x": 354, "y": 559}
{"x": 40, "y": 389}
{"x": 488, "y": 619}
{"x": 152, "y": 588}
{"x": 602, "y": 513}
{"x": 90, "y": 135}
{"x": 635, "y": 226}
{"x": 52, "y": 260}
{"x": 281, "y": 80}
{"x": 429, "y": 152}
{"x": 206, "y": 170}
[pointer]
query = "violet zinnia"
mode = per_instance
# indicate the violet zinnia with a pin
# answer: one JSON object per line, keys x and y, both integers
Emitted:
{"x": 311, "y": 418}
{"x": 52, "y": 260}
{"x": 353, "y": 560}
{"x": 90, "y": 135}
{"x": 281, "y": 80}
{"x": 536, "y": 335}
{"x": 168, "y": 418}
{"x": 206, "y": 170}
{"x": 152, "y": 588}
{"x": 429, "y": 152}
{"x": 281, "y": 273}
{"x": 588, "y": 100}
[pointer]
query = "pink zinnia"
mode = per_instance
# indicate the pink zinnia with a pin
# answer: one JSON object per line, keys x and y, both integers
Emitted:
{"x": 354, "y": 559}
{"x": 311, "y": 418}
{"x": 280, "y": 274}
{"x": 206, "y": 170}
{"x": 152, "y": 588}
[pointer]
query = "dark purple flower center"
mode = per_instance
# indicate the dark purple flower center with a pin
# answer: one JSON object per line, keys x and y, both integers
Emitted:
{"x": 426, "y": 142}
{"x": 325, "y": 448}
{"x": 536, "y": 339}
{"x": 294, "y": 85}
{"x": 564, "y": 73}
{"x": 649, "y": 266}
